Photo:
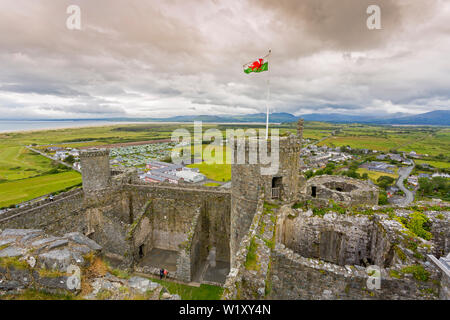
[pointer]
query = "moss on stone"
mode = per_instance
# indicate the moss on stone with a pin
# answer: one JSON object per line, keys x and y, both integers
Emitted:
{"x": 419, "y": 224}
{"x": 119, "y": 273}
{"x": 399, "y": 252}
{"x": 104, "y": 294}
{"x": 418, "y": 272}
{"x": 440, "y": 216}
{"x": 395, "y": 274}
{"x": 4, "y": 246}
{"x": 251, "y": 260}
{"x": 47, "y": 273}
{"x": 13, "y": 262}
{"x": 33, "y": 294}
{"x": 268, "y": 282}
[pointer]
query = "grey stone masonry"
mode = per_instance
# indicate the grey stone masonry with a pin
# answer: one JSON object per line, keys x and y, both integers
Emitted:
{"x": 444, "y": 265}
{"x": 31, "y": 259}
{"x": 95, "y": 169}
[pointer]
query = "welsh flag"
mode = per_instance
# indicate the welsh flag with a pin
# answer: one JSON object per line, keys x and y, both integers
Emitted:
{"x": 259, "y": 65}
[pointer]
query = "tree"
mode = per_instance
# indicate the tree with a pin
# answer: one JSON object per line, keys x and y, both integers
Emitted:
{"x": 70, "y": 159}
{"x": 385, "y": 181}
{"x": 309, "y": 174}
{"x": 437, "y": 187}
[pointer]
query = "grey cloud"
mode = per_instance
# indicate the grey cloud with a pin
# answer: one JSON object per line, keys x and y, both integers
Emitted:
{"x": 166, "y": 58}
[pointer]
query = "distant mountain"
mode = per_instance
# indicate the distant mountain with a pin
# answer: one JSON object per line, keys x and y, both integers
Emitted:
{"x": 333, "y": 117}
{"x": 438, "y": 117}
{"x": 257, "y": 117}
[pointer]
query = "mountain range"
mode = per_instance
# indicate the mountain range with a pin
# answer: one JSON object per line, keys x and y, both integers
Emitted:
{"x": 438, "y": 117}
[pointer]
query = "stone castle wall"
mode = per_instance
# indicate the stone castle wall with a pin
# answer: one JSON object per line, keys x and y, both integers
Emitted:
{"x": 343, "y": 240}
{"x": 296, "y": 277}
{"x": 249, "y": 181}
{"x": 342, "y": 189}
{"x": 303, "y": 272}
{"x": 95, "y": 169}
{"x": 173, "y": 209}
{"x": 60, "y": 216}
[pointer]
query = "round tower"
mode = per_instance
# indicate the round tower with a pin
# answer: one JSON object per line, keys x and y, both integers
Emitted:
{"x": 95, "y": 169}
{"x": 249, "y": 182}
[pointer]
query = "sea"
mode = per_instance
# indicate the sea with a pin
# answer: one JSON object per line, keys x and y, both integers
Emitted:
{"x": 17, "y": 125}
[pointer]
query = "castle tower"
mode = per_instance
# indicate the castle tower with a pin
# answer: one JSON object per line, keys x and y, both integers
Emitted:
{"x": 300, "y": 129}
{"x": 95, "y": 169}
{"x": 248, "y": 183}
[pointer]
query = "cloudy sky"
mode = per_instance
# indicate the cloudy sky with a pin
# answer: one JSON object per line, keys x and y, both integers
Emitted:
{"x": 163, "y": 58}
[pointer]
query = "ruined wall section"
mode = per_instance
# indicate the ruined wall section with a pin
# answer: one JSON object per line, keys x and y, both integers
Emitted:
{"x": 349, "y": 191}
{"x": 236, "y": 283}
{"x": 245, "y": 190}
{"x": 106, "y": 213}
{"x": 249, "y": 181}
{"x": 339, "y": 239}
{"x": 197, "y": 246}
{"x": 173, "y": 209}
{"x": 60, "y": 216}
{"x": 440, "y": 229}
{"x": 278, "y": 272}
{"x": 297, "y": 277}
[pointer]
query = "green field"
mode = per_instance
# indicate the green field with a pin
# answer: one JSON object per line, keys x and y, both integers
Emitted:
{"x": 27, "y": 189}
{"x": 212, "y": 184}
{"x": 374, "y": 175}
{"x": 436, "y": 164}
{"x": 24, "y": 175}
{"x": 216, "y": 172}
{"x": 423, "y": 140}
{"x": 17, "y": 162}
{"x": 203, "y": 292}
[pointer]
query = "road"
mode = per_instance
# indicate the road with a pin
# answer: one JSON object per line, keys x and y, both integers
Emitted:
{"x": 404, "y": 172}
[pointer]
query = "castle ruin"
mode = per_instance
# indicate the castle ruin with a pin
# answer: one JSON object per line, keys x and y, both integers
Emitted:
{"x": 252, "y": 239}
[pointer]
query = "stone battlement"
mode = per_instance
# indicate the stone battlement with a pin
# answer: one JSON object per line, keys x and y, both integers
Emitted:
{"x": 90, "y": 153}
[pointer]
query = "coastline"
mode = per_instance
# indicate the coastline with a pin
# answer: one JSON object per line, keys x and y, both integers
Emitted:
{"x": 111, "y": 124}
{"x": 103, "y": 124}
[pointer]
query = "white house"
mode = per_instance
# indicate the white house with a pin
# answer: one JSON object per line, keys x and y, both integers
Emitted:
{"x": 190, "y": 176}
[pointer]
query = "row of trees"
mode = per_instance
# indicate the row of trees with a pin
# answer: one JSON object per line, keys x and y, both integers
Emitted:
{"x": 438, "y": 187}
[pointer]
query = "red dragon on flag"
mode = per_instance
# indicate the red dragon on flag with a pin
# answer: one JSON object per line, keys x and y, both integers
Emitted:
{"x": 259, "y": 65}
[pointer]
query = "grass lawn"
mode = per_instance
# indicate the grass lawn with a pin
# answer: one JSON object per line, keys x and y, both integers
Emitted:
{"x": 374, "y": 175}
{"x": 216, "y": 172}
{"x": 361, "y": 142}
{"x": 212, "y": 184}
{"x": 204, "y": 292}
{"x": 18, "y": 163}
{"x": 436, "y": 164}
{"x": 23, "y": 190}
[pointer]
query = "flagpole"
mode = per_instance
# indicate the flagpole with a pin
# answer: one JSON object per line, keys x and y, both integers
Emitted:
{"x": 267, "y": 101}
